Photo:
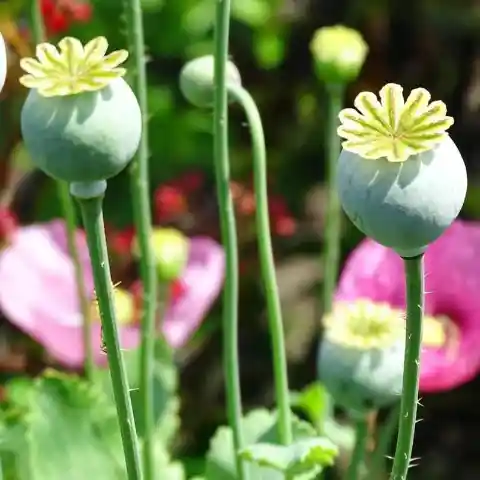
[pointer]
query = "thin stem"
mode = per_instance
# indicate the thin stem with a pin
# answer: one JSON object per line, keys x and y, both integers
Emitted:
{"x": 333, "y": 214}
{"x": 70, "y": 222}
{"x": 143, "y": 224}
{"x": 387, "y": 431}
{"x": 408, "y": 410}
{"x": 93, "y": 221}
{"x": 267, "y": 262}
{"x": 229, "y": 232}
{"x": 68, "y": 210}
{"x": 358, "y": 455}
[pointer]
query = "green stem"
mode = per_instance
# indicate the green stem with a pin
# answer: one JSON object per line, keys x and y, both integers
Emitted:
{"x": 143, "y": 224}
{"x": 408, "y": 410}
{"x": 68, "y": 210}
{"x": 93, "y": 221}
{"x": 267, "y": 262}
{"x": 387, "y": 431}
{"x": 356, "y": 462}
{"x": 228, "y": 231}
{"x": 333, "y": 214}
{"x": 70, "y": 221}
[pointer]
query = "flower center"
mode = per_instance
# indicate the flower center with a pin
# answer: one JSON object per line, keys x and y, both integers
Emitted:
{"x": 393, "y": 128}
{"x": 124, "y": 305}
{"x": 366, "y": 324}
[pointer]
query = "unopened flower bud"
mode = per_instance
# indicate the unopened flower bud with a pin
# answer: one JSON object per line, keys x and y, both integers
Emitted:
{"x": 170, "y": 248}
{"x": 197, "y": 80}
{"x": 339, "y": 54}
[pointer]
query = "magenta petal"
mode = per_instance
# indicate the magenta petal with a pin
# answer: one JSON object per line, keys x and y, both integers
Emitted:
{"x": 452, "y": 266}
{"x": 202, "y": 282}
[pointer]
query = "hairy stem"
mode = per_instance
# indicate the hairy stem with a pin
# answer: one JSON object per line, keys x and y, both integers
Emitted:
{"x": 408, "y": 410}
{"x": 93, "y": 221}
{"x": 267, "y": 262}
{"x": 143, "y": 224}
{"x": 228, "y": 230}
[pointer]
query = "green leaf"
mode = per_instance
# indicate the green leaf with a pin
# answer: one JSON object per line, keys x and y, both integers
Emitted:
{"x": 58, "y": 410}
{"x": 166, "y": 401}
{"x": 298, "y": 458}
{"x": 259, "y": 426}
{"x": 313, "y": 401}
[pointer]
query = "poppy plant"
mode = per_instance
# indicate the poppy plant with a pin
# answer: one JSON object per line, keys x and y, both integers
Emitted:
{"x": 38, "y": 293}
{"x": 450, "y": 354}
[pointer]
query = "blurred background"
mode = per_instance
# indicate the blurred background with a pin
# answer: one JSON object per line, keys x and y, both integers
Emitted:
{"x": 429, "y": 43}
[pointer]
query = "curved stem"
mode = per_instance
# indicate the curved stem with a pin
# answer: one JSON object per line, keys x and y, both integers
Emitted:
{"x": 229, "y": 232}
{"x": 68, "y": 210}
{"x": 408, "y": 410}
{"x": 358, "y": 455}
{"x": 139, "y": 182}
{"x": 267, "y": 263}
{"x": 333, "y": 214}
{"x": 387, "y": 431}
{"x": 69, "y": 215}
{"x": 93, "y": 221}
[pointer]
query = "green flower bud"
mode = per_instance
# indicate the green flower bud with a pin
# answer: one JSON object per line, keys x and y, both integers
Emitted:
{"x": 197, "y": 80}
{"x": 339, "y": 54}
{"x": 171, "y": 250}
{"x": 81, "y": 122}
{"x": 360, "y": 360}
{"x": 401, "y": 179}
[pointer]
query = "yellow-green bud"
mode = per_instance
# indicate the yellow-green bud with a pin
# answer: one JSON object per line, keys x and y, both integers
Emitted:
{"x": 170, "y": 248}
{"x": 339, "y": 54}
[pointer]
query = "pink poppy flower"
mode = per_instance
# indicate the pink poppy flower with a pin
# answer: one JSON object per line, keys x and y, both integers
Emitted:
{"x": 452, "y": 266}
{"x": 38, "y": 292}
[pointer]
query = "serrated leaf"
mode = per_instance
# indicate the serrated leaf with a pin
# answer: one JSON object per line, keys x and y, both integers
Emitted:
{"x": 60, "y": 410}
{"x": 299, "y": 458}
{"x": 259, "y": 426}
{"x": 313, "y": 401}
{"x": 166, "y": 401}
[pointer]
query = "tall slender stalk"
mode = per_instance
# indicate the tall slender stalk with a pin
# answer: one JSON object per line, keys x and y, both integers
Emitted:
{"x": 139, "y": 180}
{"x": 414, "y": 274}
{"x": 358, "y": 455}
{"x": 68, "y": 210}
{"x": 93, "y": 221}
{"x": 333, "y": 214}
{"x": 267, "y": 262}
{"x": 229, "y": 231}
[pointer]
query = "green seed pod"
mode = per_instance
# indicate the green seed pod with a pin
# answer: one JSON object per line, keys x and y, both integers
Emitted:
{"x": 400, "y": 177}
{"x": 197, "y": 80}
{"x": 339, "y": 54}
{"x": 81, "y": 122}
{"x": 360, "y": 360}
{"x": 170, "y": 248}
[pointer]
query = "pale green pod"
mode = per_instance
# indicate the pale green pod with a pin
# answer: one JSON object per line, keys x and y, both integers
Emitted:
{"x": 197, "y": 80}
{"x": 361, "y": 380}
{"x": 85, "y": 137}
{"x": 404, "y": 205}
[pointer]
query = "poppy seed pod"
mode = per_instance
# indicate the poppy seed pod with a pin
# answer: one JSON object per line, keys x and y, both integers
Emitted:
{"x": 81, "y": 122}
{"x": 360, "y": 360}
{"x": 400, "y": 178}
{"x": 197, "y": 80}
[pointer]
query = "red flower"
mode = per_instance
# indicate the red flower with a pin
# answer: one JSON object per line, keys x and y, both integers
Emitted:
{"x": 170, "y": 202}
{"x": 58, "y": 15}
